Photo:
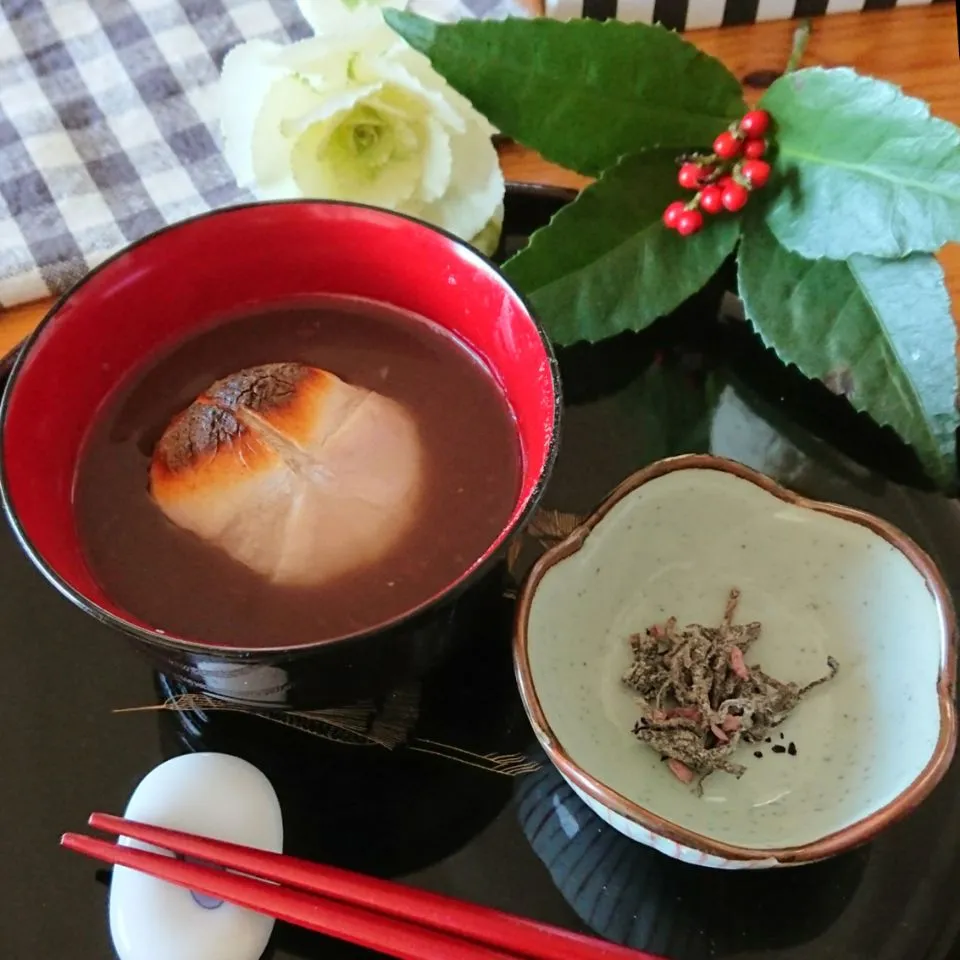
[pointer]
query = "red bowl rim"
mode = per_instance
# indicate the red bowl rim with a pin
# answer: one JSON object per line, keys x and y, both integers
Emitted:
{"x": 229, "y": 652}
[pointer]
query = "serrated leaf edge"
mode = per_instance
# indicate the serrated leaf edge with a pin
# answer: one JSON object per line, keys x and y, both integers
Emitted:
{"x": 536, "y": 238}
{"x": 395, "y": 19}
{"x": 924, "y": 112}
{"x": 943, "y": 475}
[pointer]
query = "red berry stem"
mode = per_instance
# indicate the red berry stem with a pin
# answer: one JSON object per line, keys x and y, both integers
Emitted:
{"x": 724, "y": 179}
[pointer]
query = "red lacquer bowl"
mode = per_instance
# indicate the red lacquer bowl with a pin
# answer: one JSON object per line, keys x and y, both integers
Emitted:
{"x": 166, "y": 287}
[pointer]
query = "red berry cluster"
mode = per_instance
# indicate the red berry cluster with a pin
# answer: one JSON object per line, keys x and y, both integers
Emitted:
{"x": 723, "y": 180}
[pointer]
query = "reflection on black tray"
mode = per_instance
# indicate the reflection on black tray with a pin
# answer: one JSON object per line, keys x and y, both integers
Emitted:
{"x": 354, "y": 803}
{"x": 631, "y": 894}
{"x": 393, "y": 809}
{"x": 524, "y": 844}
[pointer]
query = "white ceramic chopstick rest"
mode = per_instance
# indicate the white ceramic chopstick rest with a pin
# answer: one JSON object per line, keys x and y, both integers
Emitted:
{"x": 213, "y": 795}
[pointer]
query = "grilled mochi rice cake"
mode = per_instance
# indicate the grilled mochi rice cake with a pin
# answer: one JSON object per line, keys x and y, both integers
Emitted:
{"x": 292, "y": 472}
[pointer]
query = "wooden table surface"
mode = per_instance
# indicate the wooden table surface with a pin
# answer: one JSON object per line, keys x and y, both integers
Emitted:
{"x": 915, "y": 47}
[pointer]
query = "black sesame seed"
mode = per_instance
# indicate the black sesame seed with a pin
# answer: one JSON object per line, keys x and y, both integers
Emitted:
{"x": 768, "y": 740}
{"x": 779, "y": 749}
{"x": 758, "y": 754}
{"x": 781, "y": 736}
{"x": 792, "y": 749}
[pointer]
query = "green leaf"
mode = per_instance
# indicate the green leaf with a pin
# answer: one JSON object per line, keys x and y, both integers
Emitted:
{"x": 878, "y": 331}
{"x": 582, "y": 93}
{"x": 606, "y": 263}
{"x": 862, "y": 168}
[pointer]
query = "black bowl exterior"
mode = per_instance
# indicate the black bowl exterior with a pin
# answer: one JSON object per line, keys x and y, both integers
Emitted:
{"x": 338, "y": 672}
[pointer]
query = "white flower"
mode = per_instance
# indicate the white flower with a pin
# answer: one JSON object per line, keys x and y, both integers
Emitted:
{"x": 356, "y": 114}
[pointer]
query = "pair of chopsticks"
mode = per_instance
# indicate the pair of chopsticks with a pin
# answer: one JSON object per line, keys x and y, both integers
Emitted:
{"x": 376, "y": 914}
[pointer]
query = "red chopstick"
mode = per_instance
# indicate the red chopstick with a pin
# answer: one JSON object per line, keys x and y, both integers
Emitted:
{"x": 377, "y": 914}
{"x": 396, "y": 938}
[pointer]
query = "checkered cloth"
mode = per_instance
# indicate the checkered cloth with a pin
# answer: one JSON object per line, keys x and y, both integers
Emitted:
{"x": 108, "y": 123}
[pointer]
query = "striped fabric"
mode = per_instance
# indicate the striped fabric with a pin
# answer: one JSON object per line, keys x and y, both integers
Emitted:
{"x": 694, "y": 14}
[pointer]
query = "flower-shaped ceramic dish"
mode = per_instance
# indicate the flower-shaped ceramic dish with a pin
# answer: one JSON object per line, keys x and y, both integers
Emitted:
{"x": 823, "y": 580}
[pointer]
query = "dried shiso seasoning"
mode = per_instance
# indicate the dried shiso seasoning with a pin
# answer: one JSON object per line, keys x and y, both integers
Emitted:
{"x": 699, "y": 699}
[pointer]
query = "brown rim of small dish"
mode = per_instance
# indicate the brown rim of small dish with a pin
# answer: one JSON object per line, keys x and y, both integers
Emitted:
{"x": 832, "y": 843}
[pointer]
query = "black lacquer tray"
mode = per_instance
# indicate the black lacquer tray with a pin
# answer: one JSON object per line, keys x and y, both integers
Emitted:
{"x": 523, "y": 843}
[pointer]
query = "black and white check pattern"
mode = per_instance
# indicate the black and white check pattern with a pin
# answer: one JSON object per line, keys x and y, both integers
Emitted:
{"x": 109, "y": 123}
{"x": 697, "y": 14}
